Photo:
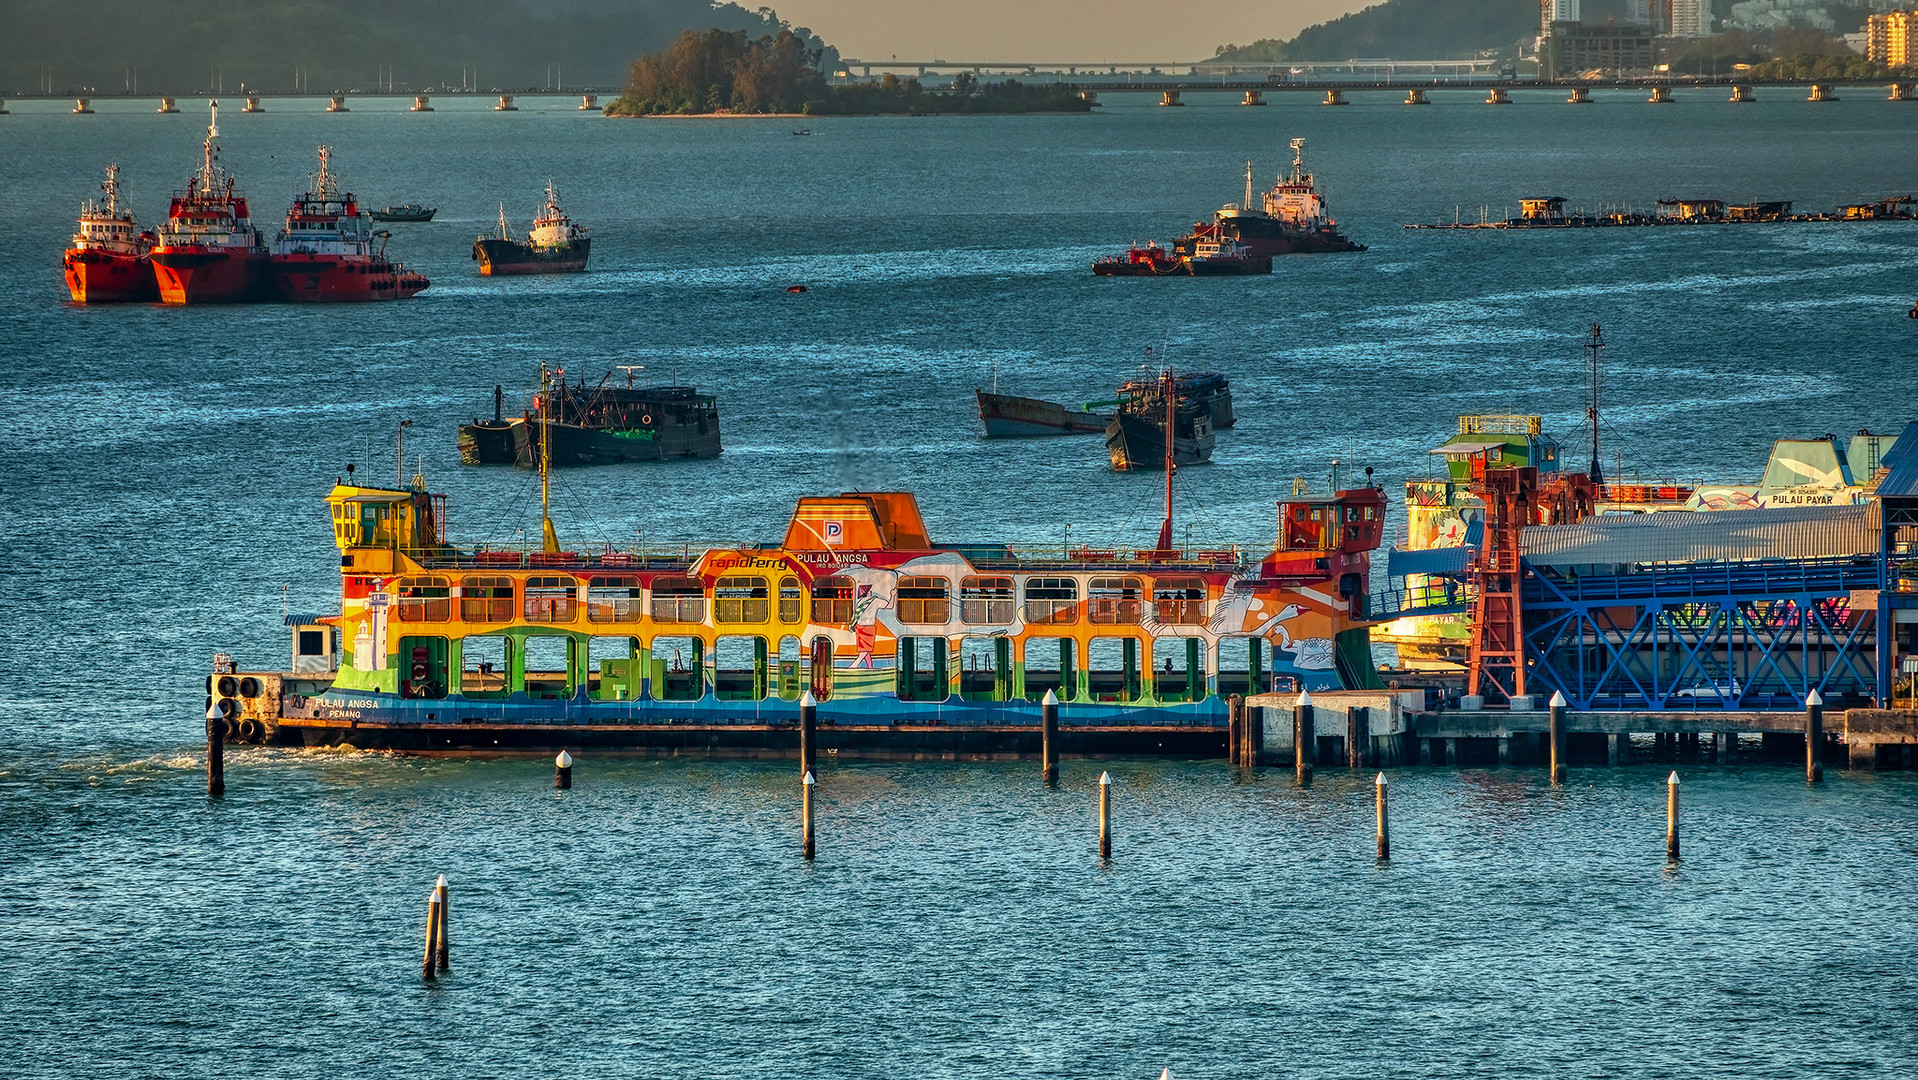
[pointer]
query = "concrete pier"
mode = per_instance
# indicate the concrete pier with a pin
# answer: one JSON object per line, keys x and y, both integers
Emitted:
{"x": 422, "y": 103}
{"x": 589, "y": 103}
{"x": 1498, "y": 96}
{"x": 1742, "y": 93}
{"x": 82, "y": 106}
{"x": 1254, "y": 97}
{"x": 336, "y": 104}
{"x": 1170, "y": 99}
{"x": 506, "y": 104}
{"x": 253, "y": 104}
{"x": 167, "y": 106}
{"x": 1822, "y": 92}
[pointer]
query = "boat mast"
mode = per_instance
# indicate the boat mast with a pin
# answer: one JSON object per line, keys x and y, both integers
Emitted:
{"x": 1165, "y": 529}
{"x": 1594, "y": 345}
{"x": 112, "y": 189}
{"x": 549, "y": 540}
{"x": 1247, "y": 205}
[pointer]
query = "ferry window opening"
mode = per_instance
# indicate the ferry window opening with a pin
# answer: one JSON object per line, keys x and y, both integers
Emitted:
{"x": 551, "y": 599}
{"x": 613, "y": 600}
{"x": 425, "y": 599}
{"x": 1052, "y": 600}
{"x": 1179, "y": 601}
{"x": 741, "y": 600}
{"x": 1115, "y": 600}
{"x": 739, "y": 668}
{"x": 986, "y": 600}
{"x": 679, "y": 600}
{"x": 547, "y": 665}
{"x": 924, "y": 600}
{"x": 486, "y": 599}
{"x": 791, "y": 600}
{"x": 832, "y": 601}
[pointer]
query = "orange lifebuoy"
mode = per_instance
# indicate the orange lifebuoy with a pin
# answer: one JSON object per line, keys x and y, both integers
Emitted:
{"x": 645, "y": 418}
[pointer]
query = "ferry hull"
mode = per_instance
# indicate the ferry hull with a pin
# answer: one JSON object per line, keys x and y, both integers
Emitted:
{"x": 1006, "y": 416}
{"x": 511, "y": 257}
{"x": 748, "y": 740}
{"x": 211, "y": 277}
{"x": 99, "y": 277}
{"x": 319, "y": 279}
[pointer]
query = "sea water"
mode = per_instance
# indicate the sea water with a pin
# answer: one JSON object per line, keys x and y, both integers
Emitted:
{"x": 162, "y": 500}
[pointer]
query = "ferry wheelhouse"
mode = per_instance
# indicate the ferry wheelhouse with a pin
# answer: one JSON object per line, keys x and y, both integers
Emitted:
{"x": 328, "y": 252}
{"x": 907, "y": 645}
{"x": 107, "y": 261}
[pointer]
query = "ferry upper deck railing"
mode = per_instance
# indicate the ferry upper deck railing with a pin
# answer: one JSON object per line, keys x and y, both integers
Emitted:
{"x": 995, "y": 557}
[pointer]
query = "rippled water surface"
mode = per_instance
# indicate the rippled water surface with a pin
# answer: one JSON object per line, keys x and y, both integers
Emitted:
{"x": 164, "y": 471}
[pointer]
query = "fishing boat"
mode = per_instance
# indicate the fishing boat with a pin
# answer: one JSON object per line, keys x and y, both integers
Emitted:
{"x": 1007, "y": 416}
{"x": 1158, "y": 427}
{"x": 556, "y": 245}
{"x": 208, "y": 250}
{"x": 326, "y": 252}
{"x": 406, "y": 212}
{"x": 107, "y": 261}
{"x": 1206, "y": 252}
{"x": 604, "y": 424}
{"x": 903, "y": 645}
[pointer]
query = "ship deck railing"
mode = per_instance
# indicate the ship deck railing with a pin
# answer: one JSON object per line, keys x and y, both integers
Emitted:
{"x": 983, "y": 556}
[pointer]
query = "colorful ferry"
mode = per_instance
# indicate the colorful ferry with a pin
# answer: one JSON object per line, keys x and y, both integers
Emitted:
{"x": 907, "y": 645}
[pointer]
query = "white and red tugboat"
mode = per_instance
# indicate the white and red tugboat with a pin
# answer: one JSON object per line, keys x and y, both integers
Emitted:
{"x": 327, "y": 250}
{"x": 108, "y": 260}
{"x": 209, "y": 252}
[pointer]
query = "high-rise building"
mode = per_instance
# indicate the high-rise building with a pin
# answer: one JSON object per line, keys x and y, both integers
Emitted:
{"x": 1888, "y": 38}
{"x": 1638, "y": 12}
{"x": 1556, "y": 11}
{"x": 1691, "y": 18}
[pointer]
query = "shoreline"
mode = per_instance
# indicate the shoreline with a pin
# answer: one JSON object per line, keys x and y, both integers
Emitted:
{"x": 832, "y": 116}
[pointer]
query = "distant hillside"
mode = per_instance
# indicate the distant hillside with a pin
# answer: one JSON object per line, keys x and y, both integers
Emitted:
{"x": 1405, "y": 30}
{"x": 96, "y": 46}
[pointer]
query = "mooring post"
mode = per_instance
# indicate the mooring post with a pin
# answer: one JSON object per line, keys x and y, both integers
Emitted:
{"x": 1105, "y": 815}
{"x": 215, "y": 753}
{"x": 1049, "y": 738}
{"x": 563, "y": 771}
{"x": 432, "y": 935}
{"x": 1814, "y": 737}
{"x": 1557, "y": 721}
{"x": 808, "y": 731}
{"x": 1235, "y": 730}
{"x": 1385, "y": 826}
{"x": 443, "y": 953}
{"x": 1304, "y": 739}
{"x": 1358, "y": 733}
{"x": 1254, "y": 735}
{"x": 805, "y": 810}
{"x": 1671, "y": 815}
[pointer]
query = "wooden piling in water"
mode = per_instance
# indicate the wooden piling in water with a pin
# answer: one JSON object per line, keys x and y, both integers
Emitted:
{"x": 563, "y": 771}
{"x": 432, "y": 935}
{"x": 215, "y": 753}
{"x": 1049, "y": 738}
{"x": 1305, "y": 741}
{"x": 805, "y": 811}
{"x": 1235, "y": 730}
{"x": 1385, "y": 825}
{"x": 1254, "y": 735}
{"x": 1671, "y": 815}
{"x": 1358, "y": 733}
{"x": 1556, "y": 736}
{"x": 1105, "y": 816}
{"x": 808, "y": 732}
{"x": 443, "y": 951}
{"x": 1814, "y": 737}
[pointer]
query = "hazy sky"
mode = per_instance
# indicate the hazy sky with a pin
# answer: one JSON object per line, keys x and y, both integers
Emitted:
{"x": 1077, "y": 30}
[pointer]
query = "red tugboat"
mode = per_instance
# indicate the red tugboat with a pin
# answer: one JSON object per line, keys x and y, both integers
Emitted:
{"x": 326, "y": 251}
{"x": 209, "y": 252}
{"x": 108, "y": 260}
{"x": 1205, "y": 253}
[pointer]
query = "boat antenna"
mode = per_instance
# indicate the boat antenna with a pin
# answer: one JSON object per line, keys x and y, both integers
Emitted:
{"x": 112, "y": 189}
{"x": 629, "y": 369}
{"x": 1247, "y": 205}
{"x": 1594, "y": 345}
{"x": 1171, "y": 412}
{"x": 502, "y": 221}
{"x": 548, "y": 538}
{"x": 399, "y": 456}
{"x": 1298, "y": 160}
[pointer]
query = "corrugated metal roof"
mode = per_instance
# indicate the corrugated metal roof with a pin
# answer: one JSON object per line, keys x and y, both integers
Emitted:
{"x": 1902, "y": 460}
{"x": 1800, "y": 532}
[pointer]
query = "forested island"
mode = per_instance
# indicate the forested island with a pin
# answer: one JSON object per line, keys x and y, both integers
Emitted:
{"x": 105, "y": 47}
{"x": 729, "y": 72}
